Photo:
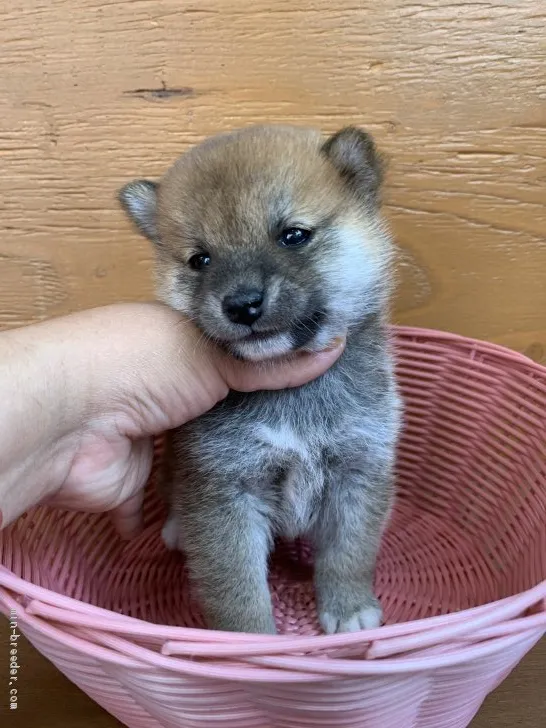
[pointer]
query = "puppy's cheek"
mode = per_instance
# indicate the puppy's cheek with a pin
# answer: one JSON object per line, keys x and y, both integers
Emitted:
{"x": 352, "y": 274}
{"x": 172, "y": 291}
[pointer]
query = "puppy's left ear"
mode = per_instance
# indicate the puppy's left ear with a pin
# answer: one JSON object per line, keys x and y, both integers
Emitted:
{"x": 139, "y": 200}
{"x": 354, "y": 154}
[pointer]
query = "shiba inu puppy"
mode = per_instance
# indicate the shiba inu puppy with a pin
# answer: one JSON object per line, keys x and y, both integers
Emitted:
{"x": 270, "y": 240}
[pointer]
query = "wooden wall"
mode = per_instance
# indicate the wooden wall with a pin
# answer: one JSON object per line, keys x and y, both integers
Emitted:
{"x": 95, "y": 92}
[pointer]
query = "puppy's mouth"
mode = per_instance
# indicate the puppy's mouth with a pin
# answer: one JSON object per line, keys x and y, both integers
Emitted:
{"x": 259, "y": 345}
{"x": 262, "y": 335}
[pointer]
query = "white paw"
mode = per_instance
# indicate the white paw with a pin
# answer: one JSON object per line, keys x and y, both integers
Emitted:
{"x": 170, "y": 534}
{"x": 367, "y": 618}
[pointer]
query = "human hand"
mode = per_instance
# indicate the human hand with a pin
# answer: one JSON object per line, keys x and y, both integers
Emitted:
{"x": 96, "y": 387}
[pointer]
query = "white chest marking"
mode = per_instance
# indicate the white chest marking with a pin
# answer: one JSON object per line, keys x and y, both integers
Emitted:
{"x": 303, "y": 479}
{"x": 283, "y": 439}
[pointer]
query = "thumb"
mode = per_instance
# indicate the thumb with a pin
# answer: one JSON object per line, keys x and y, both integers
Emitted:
{"x": 247, "y": 376}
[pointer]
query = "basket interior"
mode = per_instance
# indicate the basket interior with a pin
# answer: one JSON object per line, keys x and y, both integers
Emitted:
{"x": 469, "y": 525}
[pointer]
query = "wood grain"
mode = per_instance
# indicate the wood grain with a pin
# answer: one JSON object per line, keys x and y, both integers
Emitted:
{"x": 95, "y": 92}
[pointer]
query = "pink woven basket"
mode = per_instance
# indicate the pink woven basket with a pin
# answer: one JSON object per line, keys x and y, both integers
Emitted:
{"x": 462, "y": 578}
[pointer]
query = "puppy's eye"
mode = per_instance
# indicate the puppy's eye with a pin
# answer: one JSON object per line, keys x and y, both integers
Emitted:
{"x": 294, "y": 236}
{"x": 199, "y": 261}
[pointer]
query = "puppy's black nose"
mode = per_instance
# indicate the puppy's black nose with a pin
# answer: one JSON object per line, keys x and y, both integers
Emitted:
{"x": 244, "y": 306}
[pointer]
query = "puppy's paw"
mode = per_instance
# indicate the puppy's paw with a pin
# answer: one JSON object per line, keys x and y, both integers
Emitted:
{"x": 342, "y": 618}
{"x": 170, "y": 534}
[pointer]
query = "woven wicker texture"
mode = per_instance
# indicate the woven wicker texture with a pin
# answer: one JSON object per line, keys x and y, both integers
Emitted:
{"x": 469, "y": 529}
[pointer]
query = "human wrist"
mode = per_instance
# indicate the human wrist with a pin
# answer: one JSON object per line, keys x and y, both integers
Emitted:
{"x": 40, "y": 406}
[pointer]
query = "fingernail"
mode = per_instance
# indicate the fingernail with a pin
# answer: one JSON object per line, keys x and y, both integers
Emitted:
{"x": 335, "y": 344}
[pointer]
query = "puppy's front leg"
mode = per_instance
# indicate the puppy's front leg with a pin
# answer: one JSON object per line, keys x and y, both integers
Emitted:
{"x": 227, "y": 543}
{"x": 354, "y": 512}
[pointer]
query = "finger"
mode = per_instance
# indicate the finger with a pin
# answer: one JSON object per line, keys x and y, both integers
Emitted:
{"x": 282, "y": 374}
{"x": 127, "y": 517}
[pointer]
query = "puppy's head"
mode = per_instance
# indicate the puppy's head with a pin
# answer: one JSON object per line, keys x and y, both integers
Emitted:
{"x": 269, "y": 238}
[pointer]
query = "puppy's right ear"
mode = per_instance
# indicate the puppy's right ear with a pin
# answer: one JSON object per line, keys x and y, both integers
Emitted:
{"x": 139, "y": 200}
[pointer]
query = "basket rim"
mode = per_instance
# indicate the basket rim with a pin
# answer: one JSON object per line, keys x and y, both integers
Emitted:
{"x": 39, "y": 601}
{"x": 278, "y": 668}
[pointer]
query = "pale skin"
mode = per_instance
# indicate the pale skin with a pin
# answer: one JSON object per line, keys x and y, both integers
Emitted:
{"x": 82, "y": 397}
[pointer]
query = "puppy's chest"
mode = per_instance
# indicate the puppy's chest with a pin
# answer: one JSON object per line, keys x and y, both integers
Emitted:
{"x": 301, "y": 467}
{"x": 285, "y": 447}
